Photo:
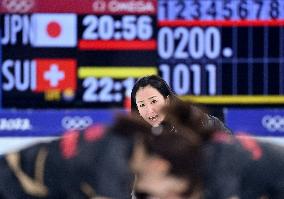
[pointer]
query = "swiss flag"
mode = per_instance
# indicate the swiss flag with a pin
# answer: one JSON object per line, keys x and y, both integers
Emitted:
{"x": 55, "y": 74}
{"x": 54, "y": 30}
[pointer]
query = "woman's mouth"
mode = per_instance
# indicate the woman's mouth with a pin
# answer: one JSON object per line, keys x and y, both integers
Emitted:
{"x": 153, "y": 118}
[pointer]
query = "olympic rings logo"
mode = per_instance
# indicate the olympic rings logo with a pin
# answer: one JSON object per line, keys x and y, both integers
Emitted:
{"x": 20, "y": 6}
{"x": 273, "y": 123}
{"x": 76, "y": 122}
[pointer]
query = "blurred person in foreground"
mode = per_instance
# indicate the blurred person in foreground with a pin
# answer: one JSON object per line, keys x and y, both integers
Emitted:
{"x": 200, "y": 162}
{"x": 192, "y": 162}
{"x": 92, "y": 164}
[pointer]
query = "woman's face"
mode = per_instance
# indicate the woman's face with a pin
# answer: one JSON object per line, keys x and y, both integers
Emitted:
{"x": 149, "y": 103}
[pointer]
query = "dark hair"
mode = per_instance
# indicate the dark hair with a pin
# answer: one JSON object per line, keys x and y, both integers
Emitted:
{"x": 183, "y": 149}
{"x": 155, "y": 82}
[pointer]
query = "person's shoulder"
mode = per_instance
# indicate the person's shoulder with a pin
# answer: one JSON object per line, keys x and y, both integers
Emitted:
{"x": 214, "y": 122}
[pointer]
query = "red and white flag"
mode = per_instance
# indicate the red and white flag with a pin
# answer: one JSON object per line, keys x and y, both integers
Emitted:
{"x": 55, "y": 74}
{"x": 54, "y": 30}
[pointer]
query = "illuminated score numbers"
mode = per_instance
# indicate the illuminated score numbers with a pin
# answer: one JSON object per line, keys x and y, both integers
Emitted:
{"x": 222, "y": 49}
{"x": 224, "y": 10}
{"x": 129, "y": 30}
{"x": 105, "y": 89}
{"x": 194, "y": 44}
{"x": 128, "y": 27}
{"x": 182, "y": 43}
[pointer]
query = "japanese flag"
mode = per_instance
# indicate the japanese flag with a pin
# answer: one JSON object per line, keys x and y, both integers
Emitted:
{"x": 54, "y": 30}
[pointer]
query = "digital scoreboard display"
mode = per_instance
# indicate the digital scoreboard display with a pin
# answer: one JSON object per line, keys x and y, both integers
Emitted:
{"x": 73, "y": 54}
{"x": 81, "y": 54}
{"x": 224, "y": 51}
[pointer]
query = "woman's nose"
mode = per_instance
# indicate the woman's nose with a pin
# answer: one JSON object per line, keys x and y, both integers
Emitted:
{"x": 150, "y": 109}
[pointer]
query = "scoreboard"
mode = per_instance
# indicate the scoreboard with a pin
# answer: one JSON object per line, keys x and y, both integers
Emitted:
{"x": 81, "y": 54}
{"x": 224, "y": 51}
{"x": 74, "y": 53}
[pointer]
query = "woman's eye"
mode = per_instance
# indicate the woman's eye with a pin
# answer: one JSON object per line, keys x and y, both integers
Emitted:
{"x": 154, "y": 101}
{"x": 141, "y": 105}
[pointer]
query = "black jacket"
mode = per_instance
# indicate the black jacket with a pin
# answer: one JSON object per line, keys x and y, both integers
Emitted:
{"x": 243, "y": 167}
{"x": 78, "y": 166}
